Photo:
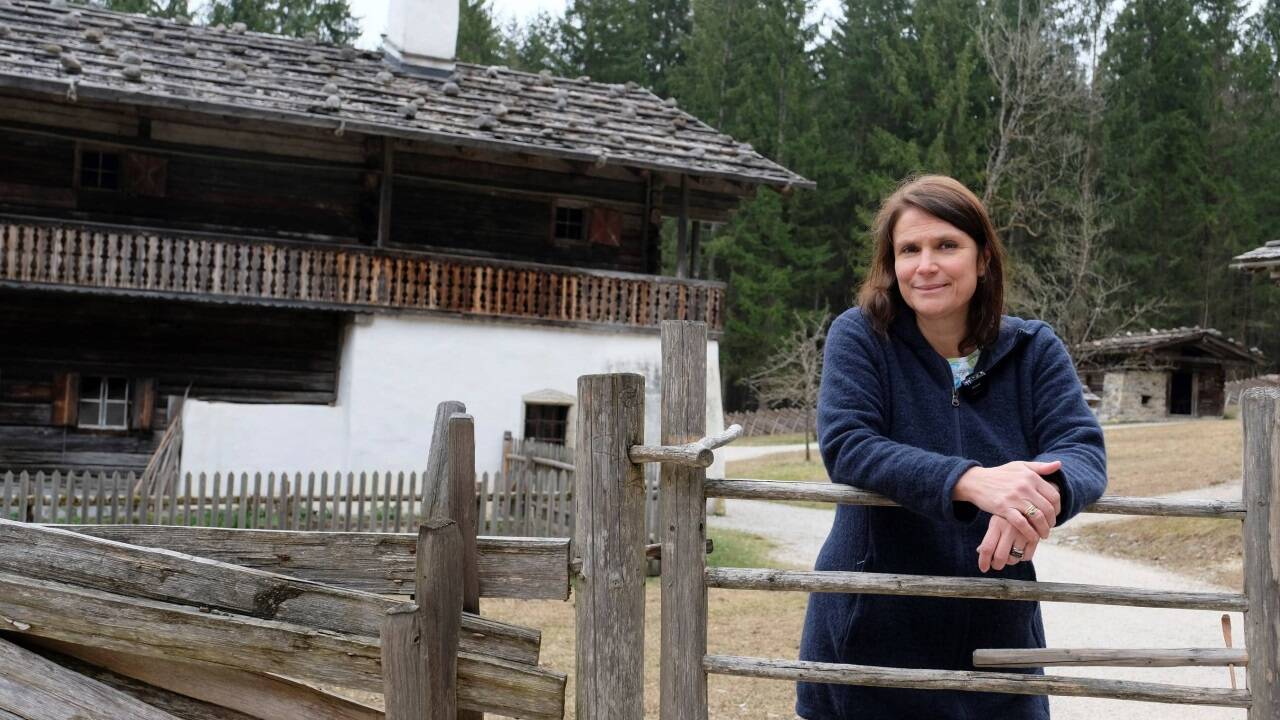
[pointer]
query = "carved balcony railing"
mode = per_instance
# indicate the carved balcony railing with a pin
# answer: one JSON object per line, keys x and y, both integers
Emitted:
{"x": 163, "y": 264}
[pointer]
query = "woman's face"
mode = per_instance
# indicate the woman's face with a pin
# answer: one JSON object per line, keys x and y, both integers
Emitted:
{"x": 937, "y": 266}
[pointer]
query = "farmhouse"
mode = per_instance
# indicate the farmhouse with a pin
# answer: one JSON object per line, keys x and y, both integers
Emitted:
{"x": 315, "y": 244}
{"x": 1161, "y": 374}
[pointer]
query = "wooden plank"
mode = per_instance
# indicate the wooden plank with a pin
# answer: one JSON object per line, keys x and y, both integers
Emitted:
{"x": 521, "y": 568}
{"x": 181, "y": 706}
{"x": 217, "y": 519}
{"x": 158, "y": 629}
{"x": 7, "y": 483}
{"x": 436, "y": 489}
{"x": 35, "y": 688}
{"x": 360, "y": 505}
{"x": 965, "y": 587}
{"x": 1016, "y": 683}
{"x": 1137, "y": 657}
{"x": 751, "y": 489}
{"x": 244, "y": 693}
{"x": 324, "y": 501}
{"x": 57, "y": 554}
{"x": 403, "y": 672}
{"x": 462, "y": 477}
{"x": 439, "y": 594}
{"x": 1261, "y": 412}
{"x": 609, "y": 503}
{"x": 683, "y": 681}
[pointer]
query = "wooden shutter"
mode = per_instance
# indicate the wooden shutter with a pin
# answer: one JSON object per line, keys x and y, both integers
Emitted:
{"x": 66, "y": 398}
{"x": 606, "y": 227}
{"x": 142, "y": 404}
{"x": 146, "y": 175}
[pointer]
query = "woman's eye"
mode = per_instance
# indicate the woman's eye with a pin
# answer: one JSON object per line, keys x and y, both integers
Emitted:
{"x": 907, "y": 249}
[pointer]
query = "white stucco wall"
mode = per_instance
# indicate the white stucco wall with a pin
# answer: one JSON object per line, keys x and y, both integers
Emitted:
{"x": 394, "y": 370}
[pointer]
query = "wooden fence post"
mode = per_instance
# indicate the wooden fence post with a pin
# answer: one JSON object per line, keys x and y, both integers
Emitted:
{"x": 609, "y": 542}
{"x": 1261, "y": 411}
{"x": 462, "y": 509}
{"x": 682, "y": 513}
{"x": 438, "y": 592}
{"x": 435, "y": 482}
{"x": 404, "y": 685}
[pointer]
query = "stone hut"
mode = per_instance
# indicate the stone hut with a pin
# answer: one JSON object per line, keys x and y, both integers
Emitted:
{"x": 1161, "y": 374}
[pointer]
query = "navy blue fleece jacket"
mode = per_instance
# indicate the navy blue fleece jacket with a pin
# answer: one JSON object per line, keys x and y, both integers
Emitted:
{"x": 889, "y": 421}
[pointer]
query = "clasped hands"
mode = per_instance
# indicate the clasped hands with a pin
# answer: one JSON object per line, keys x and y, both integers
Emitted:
{"x": 1024, "y": 507}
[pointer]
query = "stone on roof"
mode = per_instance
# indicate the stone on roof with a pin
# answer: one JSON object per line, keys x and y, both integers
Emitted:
{"x": 112, "y": 56}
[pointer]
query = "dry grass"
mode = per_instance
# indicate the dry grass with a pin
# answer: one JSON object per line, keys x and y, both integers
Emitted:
{"x": 740, "y": 622}
{"x": 1172, "y": 457}
{"x": 1144, "y": 461}
{"x": 784, "y": 439}
{"x": 1204, "y": 548}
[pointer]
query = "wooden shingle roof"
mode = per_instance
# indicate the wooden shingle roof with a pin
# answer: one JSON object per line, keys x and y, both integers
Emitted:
{"x": 1260, "y": 259}
{"x": 83, "y": 52}
{"x": 1131, "y": 343}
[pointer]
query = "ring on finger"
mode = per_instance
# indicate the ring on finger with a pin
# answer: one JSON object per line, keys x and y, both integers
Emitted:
{"x": 1030, "y": 510}
{"x": 1016, "y": 552}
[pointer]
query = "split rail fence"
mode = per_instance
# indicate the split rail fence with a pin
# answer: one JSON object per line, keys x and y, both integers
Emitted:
{"x": 610, "y": 606}
{"x": 228, "y": 623}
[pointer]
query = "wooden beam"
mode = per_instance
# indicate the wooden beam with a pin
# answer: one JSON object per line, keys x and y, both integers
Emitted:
{"x": 437, "y": 494}
{"x": 439, "y": 595}
{"x": 802, "y": 671}
{"x": 1146, "y": 657}
{"x": 164, "y": 630}
{"x": 1261, "y": 411}
{"x": 382, "y": 563}
{"x": 967, "y": 587}
{"x": 404, "y": 678}
{"x": 385, "y": 183}
{"x": 609, "y": 537}
{"x": 751, "y": 489}
{"x": 683, "y": 681}
{"x": 36, "y": 688}
{"x": 463, "y": 509}
{"x": 682, "y": 230}
{"x": 56, "y": 554}
{"x": 261, "y": 696}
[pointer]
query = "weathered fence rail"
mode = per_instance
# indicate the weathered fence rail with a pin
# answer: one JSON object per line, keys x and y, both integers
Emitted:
{"x": 611, "y": 611}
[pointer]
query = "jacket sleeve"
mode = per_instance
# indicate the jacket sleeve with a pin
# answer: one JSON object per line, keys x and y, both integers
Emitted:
{"x": 852, "y": 419}
{"x": 1065, "y": 429}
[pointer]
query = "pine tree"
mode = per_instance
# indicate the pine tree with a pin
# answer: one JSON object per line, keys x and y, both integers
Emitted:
{"x": 479, "y": 40}
{"x": 170, "y": 9}
{"x": 328, "y": 20}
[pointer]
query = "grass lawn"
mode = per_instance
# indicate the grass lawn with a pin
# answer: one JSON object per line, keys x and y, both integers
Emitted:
{"x": 759, "y": 440}
{"x": 741, "y": 622}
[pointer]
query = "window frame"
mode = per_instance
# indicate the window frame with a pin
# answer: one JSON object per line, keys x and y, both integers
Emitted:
{"x": 583, "y": 228}
{"x": 84, "y": 168}
{"x": 563, "y": 422}
{"x": 103, "y": 401}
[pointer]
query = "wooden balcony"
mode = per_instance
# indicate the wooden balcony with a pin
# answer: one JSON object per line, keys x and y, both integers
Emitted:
{"x": 132, "y": 261}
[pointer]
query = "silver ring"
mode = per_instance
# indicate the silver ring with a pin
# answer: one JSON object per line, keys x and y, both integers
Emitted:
{"x": 1016, "y": 552}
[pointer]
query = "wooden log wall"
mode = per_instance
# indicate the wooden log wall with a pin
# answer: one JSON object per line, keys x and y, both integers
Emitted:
{"x": 257, "y": 178}
{"x": 219, "y": 352}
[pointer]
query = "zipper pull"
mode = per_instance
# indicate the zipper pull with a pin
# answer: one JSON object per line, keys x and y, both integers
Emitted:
{"x": 955, "y": 398}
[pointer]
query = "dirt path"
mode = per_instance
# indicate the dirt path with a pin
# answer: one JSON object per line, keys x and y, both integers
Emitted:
{"x": 799, "y": 533}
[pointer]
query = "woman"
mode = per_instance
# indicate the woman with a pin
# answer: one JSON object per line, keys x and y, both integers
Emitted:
{"x": 976, "y": 425}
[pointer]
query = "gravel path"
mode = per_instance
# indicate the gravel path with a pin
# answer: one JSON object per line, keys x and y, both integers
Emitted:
{"x": 799, "y": 533}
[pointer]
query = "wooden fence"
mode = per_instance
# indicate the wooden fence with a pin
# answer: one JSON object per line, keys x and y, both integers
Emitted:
{"x": 197, "y": 628}
{"x": 777, "y": 421}
{"x": 610, "y": 609}
{"x": 525, "y": 503}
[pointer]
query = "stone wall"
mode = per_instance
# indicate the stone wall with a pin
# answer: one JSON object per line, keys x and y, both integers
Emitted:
{"x": 1123, "y": 395}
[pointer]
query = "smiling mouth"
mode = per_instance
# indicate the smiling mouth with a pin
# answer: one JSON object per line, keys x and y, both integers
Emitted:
{"x": 930, "y": 287}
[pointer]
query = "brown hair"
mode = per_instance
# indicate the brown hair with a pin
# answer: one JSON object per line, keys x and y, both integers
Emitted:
{"x": 947, "y": 200}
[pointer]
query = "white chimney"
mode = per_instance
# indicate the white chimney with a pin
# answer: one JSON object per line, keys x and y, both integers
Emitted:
{"x": 423, "y": 32}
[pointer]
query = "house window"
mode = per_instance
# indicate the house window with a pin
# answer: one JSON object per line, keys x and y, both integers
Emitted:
{"x": 546, "y": 423}
{"x": 1146, "y": 399}
{"x": 570, "y": 224}
{"x": 104, "y": 403}
{"x": 99, "y": 170}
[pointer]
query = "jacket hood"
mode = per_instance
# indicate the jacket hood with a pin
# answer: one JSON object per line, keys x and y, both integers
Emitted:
{"x": 1013, "y": 332}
